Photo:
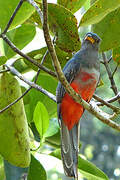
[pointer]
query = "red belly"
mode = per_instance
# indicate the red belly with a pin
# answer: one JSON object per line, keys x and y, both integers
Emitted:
{"x": 70, "y": 110}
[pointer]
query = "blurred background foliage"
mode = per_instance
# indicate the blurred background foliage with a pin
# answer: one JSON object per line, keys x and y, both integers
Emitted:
{"x": 69, "y": 21}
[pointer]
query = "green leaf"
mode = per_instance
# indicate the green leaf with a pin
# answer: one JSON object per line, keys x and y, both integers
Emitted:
{"x": 38, "y": 54}
{"x": 72, "y": 5}
{"x": 49, "y": 83}
{"x": 20, "y": 36}
{"x": 87, "y": 169}
{"x": 53, "y": 128}
{"x": 53, "y": 141}
{"x": 116, "y": 55}
{"x": 41, "y": 118}
{"x": 36, "y": 170}
{"x": 109, "y": 31}
{"x": 64, "y": 26}
{"x": 7, "y": 8}
{"x": 14, "y": 135}
{"x": 21, "y": 66}
{"x": 3, "y": 60}
{"x": 13, "y": 172}
{"x": 98, "y": 11}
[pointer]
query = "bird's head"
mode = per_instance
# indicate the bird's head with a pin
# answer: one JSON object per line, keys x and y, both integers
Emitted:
{"x": 92, "y": 39}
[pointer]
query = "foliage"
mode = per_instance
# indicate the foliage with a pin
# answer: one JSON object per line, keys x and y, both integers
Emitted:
{"x": 38, "y": 111}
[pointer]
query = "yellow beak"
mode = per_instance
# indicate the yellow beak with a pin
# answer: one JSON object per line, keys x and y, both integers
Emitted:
{"x": 90, "y": 39}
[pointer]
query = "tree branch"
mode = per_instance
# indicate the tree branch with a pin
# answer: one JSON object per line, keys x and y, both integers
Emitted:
{"x": 105, "y": 120}
{"x": 15, "y": 49}
{"x": 114, "y": 108}
{"x": 33, "y": 3}
{"x": 113, "y": 85}
{"x": 115, "y": 70}
{"x": 32, "y": 84}
{"x": 111, "y": 100}
{"x": 5, "y": 70}
{"x": 14, "y": 102}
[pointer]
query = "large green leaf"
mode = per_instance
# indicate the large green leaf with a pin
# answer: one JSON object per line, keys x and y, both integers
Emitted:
{"x": 41, "y": 118}
{"x": 116, "y": 55}
{"x": 36, "y": 170}
{"x": 7, "y": 8}
{"x": 87, "y": 169}
{"x": 14, "y": 136}
{"x": 72, "y": 5}
{"x": 20, "y": 36}
{"x": 98, "y": 11}
{"x": 109, "y": 30}
{"x": 14, "y": 172}
{"x": 49, "y": 83}
{"x": 38, "y": 54}
{"x": 64, "y": 24}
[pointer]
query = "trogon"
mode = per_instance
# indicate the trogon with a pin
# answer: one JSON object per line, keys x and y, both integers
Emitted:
{"x": 82, "y": 71}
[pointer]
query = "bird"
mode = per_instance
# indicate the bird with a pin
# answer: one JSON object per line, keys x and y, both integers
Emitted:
{"x": 82, "y": 72}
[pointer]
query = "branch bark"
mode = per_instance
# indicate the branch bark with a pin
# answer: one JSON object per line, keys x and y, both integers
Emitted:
{"x": 15, "y": 49}
{"x": 114, "y": 108}
{"x": 31, "y": 84}
{"x": 110, "y": 75}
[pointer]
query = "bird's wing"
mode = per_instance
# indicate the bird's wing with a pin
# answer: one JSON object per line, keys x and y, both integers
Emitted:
{"x": 70, "y": 71}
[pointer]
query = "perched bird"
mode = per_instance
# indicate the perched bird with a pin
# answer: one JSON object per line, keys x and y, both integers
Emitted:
{"x": 82, "y": 71}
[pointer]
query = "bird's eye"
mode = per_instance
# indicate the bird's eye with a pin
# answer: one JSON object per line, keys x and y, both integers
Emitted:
{"x": 97, "y": 40}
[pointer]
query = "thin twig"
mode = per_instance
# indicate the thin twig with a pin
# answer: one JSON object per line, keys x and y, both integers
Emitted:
{"x": 115, "y": 70}
{"x": 14, "y": 102}
{"x": 114, "y": 108}
{"x": 13, "y": 16}
{"x": 110, "y": 59}
{"x": 33, "y": 3}
{"x": 32, "y": 84}
{"x": 15, "y": 49}
{"x": 113, "y": 85}
{"x": 5, "y": 70}
{"x": 113, "y": 99}
{"x": 106, "y": 120}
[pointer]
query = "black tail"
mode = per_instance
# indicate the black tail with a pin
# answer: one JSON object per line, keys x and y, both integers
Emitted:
{"x": 69, "y": 149}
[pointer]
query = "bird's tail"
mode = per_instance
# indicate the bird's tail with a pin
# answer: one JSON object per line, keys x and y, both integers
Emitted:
{"x": 69, "y": 149}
